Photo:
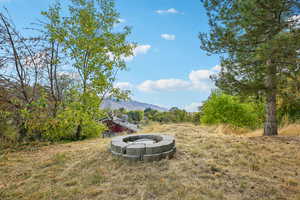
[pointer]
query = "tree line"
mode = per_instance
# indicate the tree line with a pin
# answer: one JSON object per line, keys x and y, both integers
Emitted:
{"x": 173, "y": 115}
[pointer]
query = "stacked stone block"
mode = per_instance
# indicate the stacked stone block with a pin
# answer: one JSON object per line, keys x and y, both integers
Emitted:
{"x": 125, "y": 146}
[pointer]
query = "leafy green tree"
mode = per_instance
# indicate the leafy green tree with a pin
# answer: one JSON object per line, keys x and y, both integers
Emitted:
{"x": 8, "y": 132}
{"x": 195, "y": 117}
{"x": 174, "y": 115}
{"x": 221, "y": 108}
{"x": 289, "y": 101}
{"x": 150, "y": 113}
{"x": 178, "y": 115}
{"x": 260, "y": 43}
{"x": 135, "y": 116}
{"x": 52, "y": 36}
{"x": 65, "y": 125}
{"x": 94, "y": 49}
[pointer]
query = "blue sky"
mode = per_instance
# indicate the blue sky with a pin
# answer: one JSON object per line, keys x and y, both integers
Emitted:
{"x": 169, "y": 68}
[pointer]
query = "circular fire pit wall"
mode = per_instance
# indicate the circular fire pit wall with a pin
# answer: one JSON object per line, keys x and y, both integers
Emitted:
{"x": 148, "y": 147}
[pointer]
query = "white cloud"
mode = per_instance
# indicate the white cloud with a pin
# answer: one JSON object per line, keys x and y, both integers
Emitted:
{"x": 163, "y": 85}
{"x": 124, "y": 85}
{"x": 197, "y": 80}
{"x": 193, "y": 107}
{"x": 217, "y": 68}
{"x": 202, "y": 86}
{"x": 168, "y": 36}
{"x": 201, "y": 79}
{"x": 122, "y": 20}
{"x": 200, "y": 75}
{"x": 168, "y": 11}
{"x": 140, "y": 49}
{"x": 295, "y": 21}
{"x": 71, "y": 75}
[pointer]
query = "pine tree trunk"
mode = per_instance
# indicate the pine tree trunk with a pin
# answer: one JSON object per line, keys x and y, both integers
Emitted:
{"x": 271, "y": 85}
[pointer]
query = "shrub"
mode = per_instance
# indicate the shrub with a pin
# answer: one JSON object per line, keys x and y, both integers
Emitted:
{"x": 8, "y": 132}
{"x": 135, "y": 116}
{"x": 40, "y": 125}
{"x": 64, "y": 126}
{"x": 221, "y": 108}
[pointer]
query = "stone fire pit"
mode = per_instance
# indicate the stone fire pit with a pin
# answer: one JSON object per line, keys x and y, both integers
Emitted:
{"x": 146, "y": 147}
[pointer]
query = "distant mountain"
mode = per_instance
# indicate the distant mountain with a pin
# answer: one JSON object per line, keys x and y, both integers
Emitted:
{"x": 129, "y": 105}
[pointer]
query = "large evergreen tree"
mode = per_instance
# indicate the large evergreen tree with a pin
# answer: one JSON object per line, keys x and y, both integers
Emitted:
{"x": 259, "y": 41}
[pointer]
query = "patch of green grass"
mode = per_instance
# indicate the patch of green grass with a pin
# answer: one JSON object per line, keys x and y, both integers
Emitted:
{"x": 59, "y": 158}
{"x": 96, "y": 179}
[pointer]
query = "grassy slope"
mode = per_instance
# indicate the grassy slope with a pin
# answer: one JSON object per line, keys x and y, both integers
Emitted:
{"x": 206, "y": 166}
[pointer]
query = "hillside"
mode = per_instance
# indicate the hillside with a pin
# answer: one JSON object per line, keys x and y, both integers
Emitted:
{"x": 129, "y": 105}
{"x": 207, "y": 165}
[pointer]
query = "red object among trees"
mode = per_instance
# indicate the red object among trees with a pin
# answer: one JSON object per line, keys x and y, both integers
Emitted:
{"x": 116, "y": 125}
{"x": 116, "y": 128}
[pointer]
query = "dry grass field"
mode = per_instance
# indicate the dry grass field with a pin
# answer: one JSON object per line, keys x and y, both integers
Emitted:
{"x": 207, "y": 165}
